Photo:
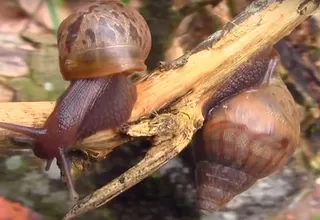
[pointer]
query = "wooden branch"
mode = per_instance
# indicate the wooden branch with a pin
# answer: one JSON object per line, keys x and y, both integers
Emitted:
{"x": 208, "y": 65}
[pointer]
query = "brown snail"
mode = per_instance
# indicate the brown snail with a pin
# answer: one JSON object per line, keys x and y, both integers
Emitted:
{"x": 98, "y": 47}
{"x": 245, "y": 138}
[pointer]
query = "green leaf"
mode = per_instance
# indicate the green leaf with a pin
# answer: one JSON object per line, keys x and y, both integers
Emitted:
{"x": 315, "y": 217}
{"x": 125, "y": 1}
{"x": 53, "y": 14}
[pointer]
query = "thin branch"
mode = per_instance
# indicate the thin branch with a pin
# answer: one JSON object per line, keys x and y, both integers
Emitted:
{"x": 209, "y": 64}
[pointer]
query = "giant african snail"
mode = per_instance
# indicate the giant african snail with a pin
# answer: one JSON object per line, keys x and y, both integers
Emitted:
{"x": 99, "y": 46}
{"x": 246, "y": 137}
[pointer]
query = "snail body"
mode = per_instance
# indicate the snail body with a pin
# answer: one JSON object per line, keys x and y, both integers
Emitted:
{"x": 246, "y": 137}
{"x": 99, "y": 46}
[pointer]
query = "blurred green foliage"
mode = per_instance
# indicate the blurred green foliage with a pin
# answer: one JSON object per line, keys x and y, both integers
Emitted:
{"x": 126, "y": 1}
{"x": 53, "y": 14}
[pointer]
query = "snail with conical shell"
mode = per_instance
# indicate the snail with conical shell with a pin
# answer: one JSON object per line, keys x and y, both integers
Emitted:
{"x": 245, "y": 137}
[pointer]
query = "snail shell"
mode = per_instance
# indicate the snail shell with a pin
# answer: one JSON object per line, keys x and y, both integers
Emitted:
{"x": 245, "y": 138}
{"x": 103, "y": 39}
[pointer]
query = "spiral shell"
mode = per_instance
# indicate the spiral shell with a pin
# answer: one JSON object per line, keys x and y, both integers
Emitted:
{"x": 247, "y": 137}
{"x": 102, "y": 39}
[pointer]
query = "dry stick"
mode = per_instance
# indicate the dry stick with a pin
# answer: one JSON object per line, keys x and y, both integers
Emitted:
{"x": 212, "y": 61}
{"x": 207, "y": 66}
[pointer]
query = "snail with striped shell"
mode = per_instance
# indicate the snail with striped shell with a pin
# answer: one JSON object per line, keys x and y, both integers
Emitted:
{"x": 245, "y": 137}
{"x": 99, "y": 46}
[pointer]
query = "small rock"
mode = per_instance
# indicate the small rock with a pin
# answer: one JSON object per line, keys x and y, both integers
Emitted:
{"x": 13, "y": 162}
{"x": 54, "y": 171}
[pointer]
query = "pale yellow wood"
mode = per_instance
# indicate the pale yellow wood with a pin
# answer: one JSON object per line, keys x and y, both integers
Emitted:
{"x": 203, "y": 70}
{"x": 25, "y": 113}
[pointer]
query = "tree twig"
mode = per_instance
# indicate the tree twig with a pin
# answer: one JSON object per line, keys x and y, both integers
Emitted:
{"x": 210, "y": 63}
